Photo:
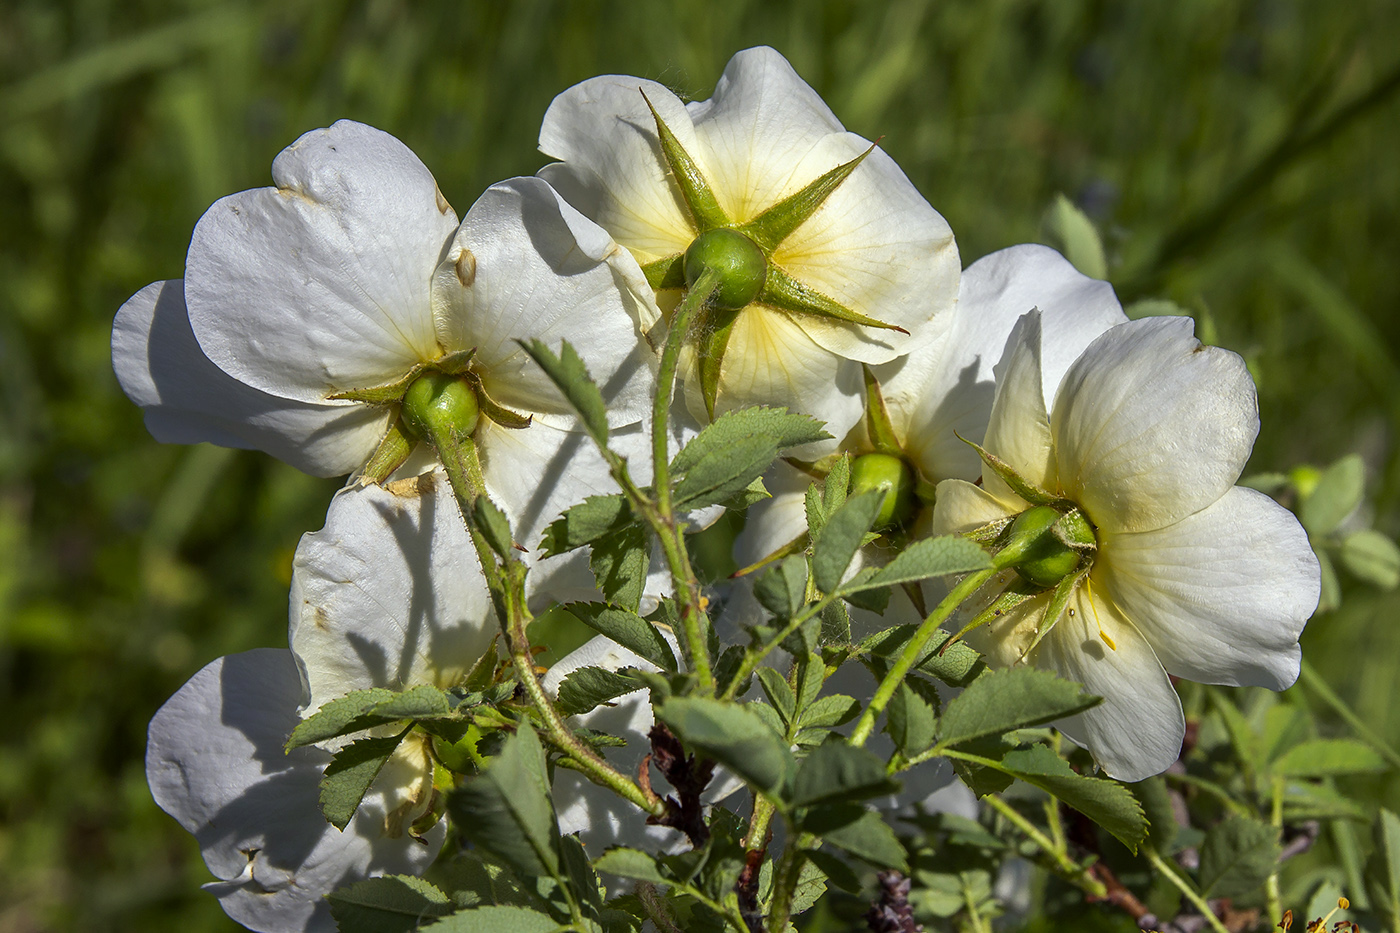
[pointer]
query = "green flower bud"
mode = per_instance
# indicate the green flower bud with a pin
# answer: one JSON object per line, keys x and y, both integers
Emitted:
{"x": 890, "y": 473}
{"x": 741, "y": 265}
{"x": 439, "y": 403}
{"x": 1047, "y": 545}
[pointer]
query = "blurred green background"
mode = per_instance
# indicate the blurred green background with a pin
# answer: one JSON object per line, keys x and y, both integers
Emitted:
{"x": 1238, "y": 157}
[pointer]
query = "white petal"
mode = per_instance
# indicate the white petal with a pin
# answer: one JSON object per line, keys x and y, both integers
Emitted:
{"x": 1019, "y": 429}
{"x": 960, "y": 506}
{"x": 760, "y": 123}
{"x": 525, "y": 265}
{"x": 389, "y": 593}
{"x": 321, "y": 284}
{"x": 1223, "y": 594}
{"x": 611, "y": 164}
{"x": 945, "y": 387}
{"x": 215, "y": 762}
{"x": 188, "y": 400}
{"x": 876, "y": 247}
{"x": 1137, "y": 731}
{"x": 771, "y": 361}
{"x": 1151, "y": 426}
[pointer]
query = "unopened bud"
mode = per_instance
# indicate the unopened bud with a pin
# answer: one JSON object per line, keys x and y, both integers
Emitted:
{"x": 740, "y": 263}
{"x": 894, "y": 476}
{"x": 438, "y": 403}
{"x": 1046, "y": 545}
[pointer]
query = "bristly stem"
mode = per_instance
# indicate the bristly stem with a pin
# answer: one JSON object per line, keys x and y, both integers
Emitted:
{"x": 669, "y": 530}
{"x": 913, "y": 650}
{"x": 506, "y": 580}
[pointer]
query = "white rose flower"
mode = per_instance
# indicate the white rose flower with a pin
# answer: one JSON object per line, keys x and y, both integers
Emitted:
{"x": 307, "y": 309}
{"x": 1187, "y": 574}
{"x": 941, "y": 391}
{"x": 215, "y": 762}
{"x": 841, "y": 261}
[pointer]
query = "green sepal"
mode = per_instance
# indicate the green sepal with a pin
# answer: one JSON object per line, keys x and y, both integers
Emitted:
{"x": 498, "y": 414}
{"x": 695, "y": 190}
{"x": 785, "y": 293}
{"x": 391, "y": 453}
{"x": 714, "y": 339}
{"x": 382, "y": 395}
{"x": 666, "y": 273}
{"x": 878, "y": 424}
{"x": 1063, "y": 590}
{"x": 455, "y": 363}
{"x": 1015, "y": 594}
{"x": 1019, "y": 485}
{"x": 777, "y": 223}
{"x": 795, "y": 546}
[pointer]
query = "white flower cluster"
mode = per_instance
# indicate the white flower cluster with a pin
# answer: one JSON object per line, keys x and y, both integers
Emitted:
{"x": 310, "y": 309}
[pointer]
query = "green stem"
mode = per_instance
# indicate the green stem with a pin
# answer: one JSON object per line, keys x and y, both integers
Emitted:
{"x": 757, "y": 835}
{"x": 1271, "y": 887}
{"x": 507, "y": 584}
{"x": 914, "y": 650}
{"x": 1184, "y": 886}
{"x": 1065, "y": 865}
{"x": 687, "y": 589}
{"x": 1311, "y": 679}
{"x": 785, "y": 875}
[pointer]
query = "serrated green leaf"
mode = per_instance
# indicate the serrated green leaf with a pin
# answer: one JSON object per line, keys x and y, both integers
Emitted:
{"x": 861, "y": 832}
{"x": 751, "y": 494}
{"x": 1074, "y": 234}
{"x": 1237, "y": 857}
{"x": 1000, "y": 701}
{"x": 782, "y": 589}
{"x": 776, "y": 424}
{"x": 836, "y": 870}
{"x": 733, "y": 736}
{"x": 628, "y": 629}
{"x": 338, "y": 717}
{"x": 1108, "y": 803}
{"x": 1324, "y": 757}
{"x": 496, "y": 920}
{"x": 837, "y": 771}
{"x": 1337, "y": 494}
{"x": 390, "y": 904}
{"x": 619, "y": 562}
{"x": 1156, "y": 801}
{"x": 506, "y": 810}
{"x": 827, "y": 711}
{"x": 588, "y": 687}
{"x": 980, "y": 779}
{"x": 811, "y": 885}
{"x": 842, "y": 535}
{"x": 350, "y": 774}
{"x": 779, "y": 694}
{"x": 723, "y": 474}
{"x": 422, "y": 702}
{"x": 1383, "y": 867}
{"x": 631, "y": 863}
{"x": 957, "y": 667}
{"x": 585, "y": 523}
{"x": 836, "y": 624}
{"x": 837, "y": 486}
{"x": 568, "y": 372}
{"x": 929, "y": 557}
{"x": 1373, "y": 557}
{"x": 494, "y": 526}
{"x": 910, "y": 721}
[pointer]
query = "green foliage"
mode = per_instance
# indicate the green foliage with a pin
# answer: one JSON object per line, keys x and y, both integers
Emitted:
{"x": 1000, "y": 701}
{"x": 507, "y": 810}
{"x": 628, "y": 629}
{"x": 1107, "y": 803}
{"x": 844, "y": 532}
{"x": 836, "y": 771}
{"x": 494, "y": 526}
{"x": 349, "y": 775}
{"x": 1383, "y": 867}
{"x": 1074, "y": 235}
{"x": 496, "y": 920}
{"x": 1336, "y": 495}
{"x": 619, "y": 562}
{"x": 861, "y": 832}
{"x": 784, "y": 430}
{"x": 733, "y": 735}
{"x": 782, "y": 589}
{"x": 390, "y": 904}
{"x": 588, "y": 687}
{"x": 585, "y": 523}
{"x": 1237, "y": 856}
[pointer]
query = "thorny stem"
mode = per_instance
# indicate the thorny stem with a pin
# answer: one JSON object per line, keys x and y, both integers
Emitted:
{"x": 507, "y": 583}
{"x": 1068, "y": 869}
{"x": 1184, "y": 887}
{"x": 671, "y": 535}
{"x": 912, "y": 651}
